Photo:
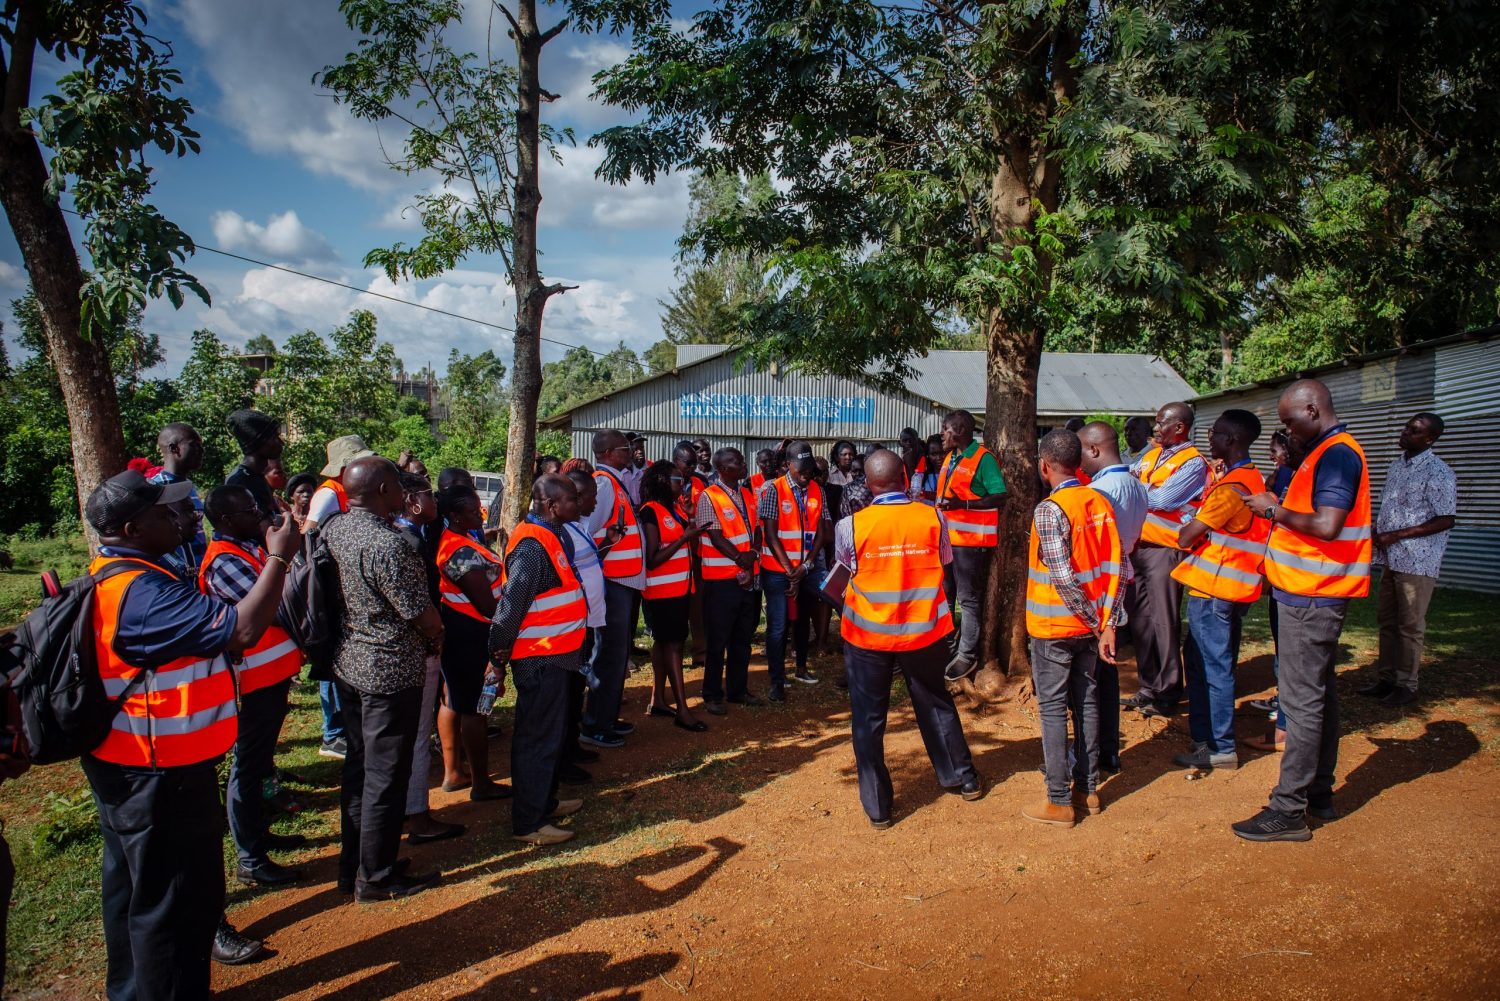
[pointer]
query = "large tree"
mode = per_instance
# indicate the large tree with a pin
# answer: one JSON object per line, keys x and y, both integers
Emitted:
{"x": 922, "y": 148}
{"x": 98, "y": 121}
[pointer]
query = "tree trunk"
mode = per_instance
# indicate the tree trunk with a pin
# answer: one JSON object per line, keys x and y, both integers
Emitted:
{"x": 531, "y": 293}
{"x": 1226, "y": 357}
{"x": 88, "y": 386}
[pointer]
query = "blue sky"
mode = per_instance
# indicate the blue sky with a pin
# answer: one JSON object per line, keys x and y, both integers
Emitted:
{"x": 289, "y": 177}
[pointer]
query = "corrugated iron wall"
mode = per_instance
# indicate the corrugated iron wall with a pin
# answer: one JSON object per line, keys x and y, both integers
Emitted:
{"x": 656, "y": 408}
{"x": 1461, "y": 383}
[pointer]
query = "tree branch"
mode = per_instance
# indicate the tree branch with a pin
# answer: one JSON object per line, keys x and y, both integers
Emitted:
{"x": 553, "y": 31}
{"x": 516, "y": 28}
{"x": 18, "y": 76}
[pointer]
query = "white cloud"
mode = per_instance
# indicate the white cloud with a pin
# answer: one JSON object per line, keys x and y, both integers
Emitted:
{"x": 283, "y": 237}
{"x": 11, "y": 276}
{"x": 573, "y": 197}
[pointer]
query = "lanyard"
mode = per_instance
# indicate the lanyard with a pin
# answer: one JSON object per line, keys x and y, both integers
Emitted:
{"x": 892, "y": 497}
{"x": 579, "y": 533}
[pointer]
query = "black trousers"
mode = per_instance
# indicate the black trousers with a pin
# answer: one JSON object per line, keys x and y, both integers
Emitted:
{"x": 261, "y": 716}
{"x": 573, "y": 721}
{"x": 536, "y": 744}
{"x": 870, "y": 673}
{"x": 1156, "y": 622}
{"x": 381, "y": 731}
{"x": 163, "y": 877}
{"x": 730, "y": 615}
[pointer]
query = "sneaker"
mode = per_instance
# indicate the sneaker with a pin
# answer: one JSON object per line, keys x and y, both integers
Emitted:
{"x": 1204, "y": 760}
{"x": 881, "y": 823}
{"x": 959, "y": 668}
{"x": 803, "y": 678}
{"x": 623, "y": 729}
{"x": 1324, "y": 811}
{"x": 1272, "y": 825}
{"x": 605, "y": 740}
{"x": 336, "y": 748}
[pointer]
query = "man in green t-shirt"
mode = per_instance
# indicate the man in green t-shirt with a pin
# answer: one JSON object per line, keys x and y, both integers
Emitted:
{"x": 971, "y": 491}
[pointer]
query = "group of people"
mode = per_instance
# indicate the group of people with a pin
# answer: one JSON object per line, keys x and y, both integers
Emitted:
{"x": 433, "y": 604}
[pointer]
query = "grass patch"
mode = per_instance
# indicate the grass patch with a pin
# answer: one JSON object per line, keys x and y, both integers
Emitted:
{"x": 20, "y": 591}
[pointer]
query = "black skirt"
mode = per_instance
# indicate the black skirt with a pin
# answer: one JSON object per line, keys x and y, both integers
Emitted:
{"x": 466, "y": 654}
{"x": 667, "y": 618}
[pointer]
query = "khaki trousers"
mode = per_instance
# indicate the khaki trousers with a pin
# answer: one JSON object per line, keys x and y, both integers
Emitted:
{"x": 1403, "y": 625}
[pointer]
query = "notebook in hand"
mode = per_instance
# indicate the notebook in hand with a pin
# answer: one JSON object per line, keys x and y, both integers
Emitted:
{"x": 833, "y": 587}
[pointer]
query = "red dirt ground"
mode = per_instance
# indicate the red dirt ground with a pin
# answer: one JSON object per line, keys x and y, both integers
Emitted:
{"x": 738, "y": 864}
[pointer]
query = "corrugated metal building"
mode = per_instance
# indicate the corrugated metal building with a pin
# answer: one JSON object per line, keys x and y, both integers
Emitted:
{"x": 711, "y": 395}
{"x": 1457, "y": 378}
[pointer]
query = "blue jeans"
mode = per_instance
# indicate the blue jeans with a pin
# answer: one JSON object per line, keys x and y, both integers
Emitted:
{"x": 1063, "y": 673}
{"x": 333, "y": 717}
{"x": 611, "y": 656}
{"x": 1210, "y": 653}
{"x": 776, "y": 587}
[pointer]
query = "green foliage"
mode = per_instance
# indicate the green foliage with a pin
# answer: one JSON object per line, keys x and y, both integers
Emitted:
{"x": 325, "y": 389}
{"x": 580, "y": 376}
{"x": 98, "y": 124}
{"x": 70, "y": 819}
{"x": 261, "y": 344}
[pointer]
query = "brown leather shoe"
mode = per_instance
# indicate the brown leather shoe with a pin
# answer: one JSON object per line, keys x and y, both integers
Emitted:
{"x": 1273, "y": 740}
{"x": 1048, "y": 812}
{"x": 547, "y": 835}
{"x": 1086, "y": 802}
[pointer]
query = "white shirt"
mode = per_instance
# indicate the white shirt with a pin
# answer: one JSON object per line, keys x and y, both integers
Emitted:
{"x": 324, "y": 505}
{"x": 590, "y": 574}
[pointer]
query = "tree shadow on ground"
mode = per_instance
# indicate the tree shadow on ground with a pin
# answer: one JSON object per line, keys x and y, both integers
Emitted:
{"x": 517, "y": 912}
{"x": 1442, "y": 745}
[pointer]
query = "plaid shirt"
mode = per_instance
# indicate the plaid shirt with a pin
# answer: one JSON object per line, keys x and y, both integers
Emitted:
{"x": 1054, "y": 540}
{"x": 230, "y": 578}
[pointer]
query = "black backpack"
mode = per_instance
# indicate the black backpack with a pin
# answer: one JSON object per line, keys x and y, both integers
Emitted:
{"x": 312, "y": 605}
{"x": 49, "y": 661}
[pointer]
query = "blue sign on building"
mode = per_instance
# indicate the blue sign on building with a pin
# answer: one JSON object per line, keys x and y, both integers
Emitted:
{"x": 738, "y": 406}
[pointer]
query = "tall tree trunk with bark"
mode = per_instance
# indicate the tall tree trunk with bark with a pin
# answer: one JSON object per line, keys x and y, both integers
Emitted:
{"x": 531, "y": 292}
{"x": 88, "y": 385}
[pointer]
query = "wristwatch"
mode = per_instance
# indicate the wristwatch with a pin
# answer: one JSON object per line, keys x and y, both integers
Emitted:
{"x": 1269, "y": 513}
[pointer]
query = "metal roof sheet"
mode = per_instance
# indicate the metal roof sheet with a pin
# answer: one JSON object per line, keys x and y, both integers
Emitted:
{"x": 1068, "y": 383}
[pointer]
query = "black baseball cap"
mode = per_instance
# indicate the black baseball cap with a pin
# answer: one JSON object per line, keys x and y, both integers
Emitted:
{"x": 122, "y": 498}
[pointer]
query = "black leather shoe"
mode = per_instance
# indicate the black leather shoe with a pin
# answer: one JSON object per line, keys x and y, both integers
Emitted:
{"x": 442, "y": 832}
{"x": 1379, "y": 690}
{"x": 1400, "y": 697}
{"x": 395, "y": 888}
{"x": 776, "y": 694}
{"x": 285, "y": 842}
{"x": 346, "y": 883}
{"x": 583, "y": 756}
{"x": 267, "y": 873}
{"x": 231, "y": 948}
{"x": 881, "y": 824}
{"x": 715, "y": 708}
{"x": 572, "y": 775}
{"x": 1136, "y": 701}
{"x": 972, "y": 789}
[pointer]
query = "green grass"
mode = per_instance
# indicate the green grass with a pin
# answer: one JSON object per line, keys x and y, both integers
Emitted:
{"x": 54, "y": 921}
{"x": 20, "y": 591}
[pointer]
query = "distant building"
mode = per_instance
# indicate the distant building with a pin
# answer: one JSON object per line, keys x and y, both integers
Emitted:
{"x": 1457, "y": 378}
{"x": 423, "y": 387}
{"x": 710, "y": 395}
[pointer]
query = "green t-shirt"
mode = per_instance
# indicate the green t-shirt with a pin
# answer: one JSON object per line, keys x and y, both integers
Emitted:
{"x": 987, "y": 479}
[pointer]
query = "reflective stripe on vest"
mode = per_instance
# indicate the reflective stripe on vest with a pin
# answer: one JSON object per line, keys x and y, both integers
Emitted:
{"x": 792, "y": 522}
{"x": 670, "y": 579}
{"x": 556, "y": 620}
{"x": 1302, "y": 564}
{"x": 184, "y": 713}
{"x": 1095, "y": 561}
{"x": 967, "y": 528}
{"x": 1228, "y": 565}
{"x": 733, "y": 526}
{"x": 1161, "y": 527}
{"x": 274, "y": 657}
{"x": 449, "y": 593}
{"x": 625, "y": 558}
{"x": 895, "y": 598}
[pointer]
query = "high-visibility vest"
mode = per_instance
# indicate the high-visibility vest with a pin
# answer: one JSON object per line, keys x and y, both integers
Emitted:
{"x": 338, "y": 491}
{"x": 624, "y": 558}
{"x": 757, "y": 481}
{"x": 556, "y": 620}
{"x": 736, "y": 529}
{"x": 967, "y": 528}
{"x": 449, "y": 593}
{"x": 672, "y": 578}
{"x": 1095, "y": 562}
{"x": 1228, "y": 564}
{"x": 687, "y": 502}
{"x": 1301, "y": 564}
{"x": 895, "y": 599}
{"x": 1161, "y": 527}
{"x": 276, "y": 656}
{"x": 182, "y": 714}
{"x": 791, "y": 522}
{"x": 919, "y": 476}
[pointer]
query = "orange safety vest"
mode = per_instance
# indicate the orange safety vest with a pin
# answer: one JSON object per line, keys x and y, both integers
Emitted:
{"x": 449, "y": 593}
{"x": 1161, "y": 527}
{"x": 895, "y": 599}
{"x": 1228, "y": 565}
{"x": 182, "y": 714}
{"x": 735, "y": 529}
{"x": 556, "y": 620}
{"x": 672, "y": 578}
{"x": 1304, "y": 565}
{"x": 757, "y": 481}
{"x": 1095, "y": 562}
{"x": 967, "y": 528}
{"x": 791, "y": 536}
{"x": 338, "y": 490}
{"x": 687, "y": 507}
{"x": 276, "y": 656}
{"x": 624, "y": 558}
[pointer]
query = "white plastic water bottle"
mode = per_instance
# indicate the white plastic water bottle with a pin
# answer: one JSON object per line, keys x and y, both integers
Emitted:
{"x": 490, "y": 692}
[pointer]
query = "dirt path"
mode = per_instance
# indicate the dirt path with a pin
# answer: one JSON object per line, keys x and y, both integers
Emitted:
{"x": 739, "y": 865}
